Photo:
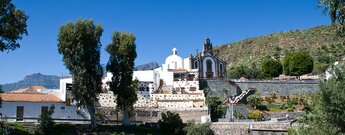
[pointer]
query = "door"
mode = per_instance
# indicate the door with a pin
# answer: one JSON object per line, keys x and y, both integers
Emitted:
{"x": 44, "y": 109}
{"x": 20, "y": 113}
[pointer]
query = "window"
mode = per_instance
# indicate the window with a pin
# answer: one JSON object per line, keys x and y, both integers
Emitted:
{"x": 221, "y": 68}
{"x": 195, "y": 64}
{"x": 209, "y": 66}
{"x": 44, "y": 109}
{"x": 20, "y": 113}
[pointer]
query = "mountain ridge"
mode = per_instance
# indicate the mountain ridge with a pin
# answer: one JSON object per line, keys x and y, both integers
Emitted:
{"x": 52, "y": 81}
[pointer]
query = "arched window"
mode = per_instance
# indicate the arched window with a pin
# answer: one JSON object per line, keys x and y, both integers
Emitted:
{"x": 195, "y": 64}
{"x": 221, "y": 68}
{"x": 208, "y": 65}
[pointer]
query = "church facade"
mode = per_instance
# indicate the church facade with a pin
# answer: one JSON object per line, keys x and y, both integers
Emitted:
{"x": 208, "y": 63}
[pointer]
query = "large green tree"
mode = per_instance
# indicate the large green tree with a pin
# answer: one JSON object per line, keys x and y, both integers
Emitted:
{"x": 327, "y": 115}
{"x": 12, "y": 25}
{"x": 272, "y": 68}
{"x": 121, "y": 62}
{"x": 329, "y": 103}
{"x": 298, "y": 64}
{"x": 79, "y": 43}
{"x": 336, "y": 11}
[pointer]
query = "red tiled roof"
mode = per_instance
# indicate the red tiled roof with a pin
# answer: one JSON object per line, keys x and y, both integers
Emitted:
{"x": 27, "y": 97}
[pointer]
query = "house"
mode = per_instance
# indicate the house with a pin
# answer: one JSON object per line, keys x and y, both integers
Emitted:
{"x": 26, "y": 105}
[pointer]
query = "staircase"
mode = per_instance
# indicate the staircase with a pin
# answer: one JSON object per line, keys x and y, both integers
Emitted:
{"x": 242, "y": 97}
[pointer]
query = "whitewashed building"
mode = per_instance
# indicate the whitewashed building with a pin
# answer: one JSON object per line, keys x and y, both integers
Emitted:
{"x": 174, "y": 85}
{"x": 28, "y": 105}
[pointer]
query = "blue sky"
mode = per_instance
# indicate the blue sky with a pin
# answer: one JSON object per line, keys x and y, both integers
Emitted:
{"x": 159, "y": 25}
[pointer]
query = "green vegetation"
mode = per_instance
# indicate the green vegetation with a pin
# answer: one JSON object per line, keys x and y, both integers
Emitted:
{"x": 253, "y": 51}
{"x": 254, "y": 114}
{"x": 272, "y": 68}
{"x": 121, "y": 63}
{"x": 326, "y": 113}
{"x": 12, "y": 129}
{"x": 217, "y": 108}
{"x": 336, "y": 11}
{"x": 80, "y": 45}
{"x": 46, "y": 122}
{"x": 13, "y": 25}
{"x": 171, "y": 123}
{"x": 198, "y": 129}
{"x": 255, "y": 100}
{"x": 243, "y": 70}
{"x": 298, "y": 64}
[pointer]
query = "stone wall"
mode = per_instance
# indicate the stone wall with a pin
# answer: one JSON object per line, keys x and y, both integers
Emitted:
{"x": 249, "y": 128}
{"x": 154, "y": 114}
{"x": 283, "y": 88}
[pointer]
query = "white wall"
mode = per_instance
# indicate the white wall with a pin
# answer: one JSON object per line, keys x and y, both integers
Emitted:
{"x": 34, "y": 109}
{"x": 63, "y": 83}
{"x": 144, "y": 76}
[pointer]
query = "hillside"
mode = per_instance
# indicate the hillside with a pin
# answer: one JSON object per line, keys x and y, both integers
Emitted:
{"x": 48, "y": 81}
{"x": 321, "y": 42}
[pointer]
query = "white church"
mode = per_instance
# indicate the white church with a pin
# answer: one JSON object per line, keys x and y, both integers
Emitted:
{"x": 174, "y": 85}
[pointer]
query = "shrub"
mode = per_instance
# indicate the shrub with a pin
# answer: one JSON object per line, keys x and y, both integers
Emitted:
{"x": 247, "y": 71}
{"x": 254, "y": 114}
{"x": 46, "y": 123}
{"x": 217, "y": 110}
{"x": 298, "y": 64}
{"x": 292, "y": 101}
{"x": 198, "y": 129}
{"x": 171, "y": 123}
{"x": 254, "y": 100}
{"x": 290, "y": 109}
{"x": 272, "y": 68}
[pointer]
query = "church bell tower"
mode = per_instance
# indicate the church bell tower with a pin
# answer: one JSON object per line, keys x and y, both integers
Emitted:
{"x": 208, "y": 47}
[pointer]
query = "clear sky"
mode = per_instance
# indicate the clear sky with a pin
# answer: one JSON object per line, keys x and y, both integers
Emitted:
{"x": 159, "y": 25}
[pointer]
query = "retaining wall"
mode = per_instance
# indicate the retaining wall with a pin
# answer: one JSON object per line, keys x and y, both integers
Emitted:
{"x": 250, "y": 128}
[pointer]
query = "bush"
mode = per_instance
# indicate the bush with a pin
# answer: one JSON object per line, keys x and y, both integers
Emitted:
{"x": 255, "y": 100}
{"x": 290, "y": 109}
{"x": 254, "y": 114}
{"x": 12, "y": 129}
{"x": 298, "y": 64}
{"x": 249, "y": 72}
{"x": 46, "y": 123}
{"x": 217, "y": 110}
{"x": 198, "y": 129}
{"x": 171, "y": 123}
{"x": 292, "y": 102}
{"x": 272, "y": 68}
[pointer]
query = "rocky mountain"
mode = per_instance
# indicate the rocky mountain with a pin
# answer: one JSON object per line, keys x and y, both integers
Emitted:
{"x": 48, "y": 81}
{"x": 148, "y": 66}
